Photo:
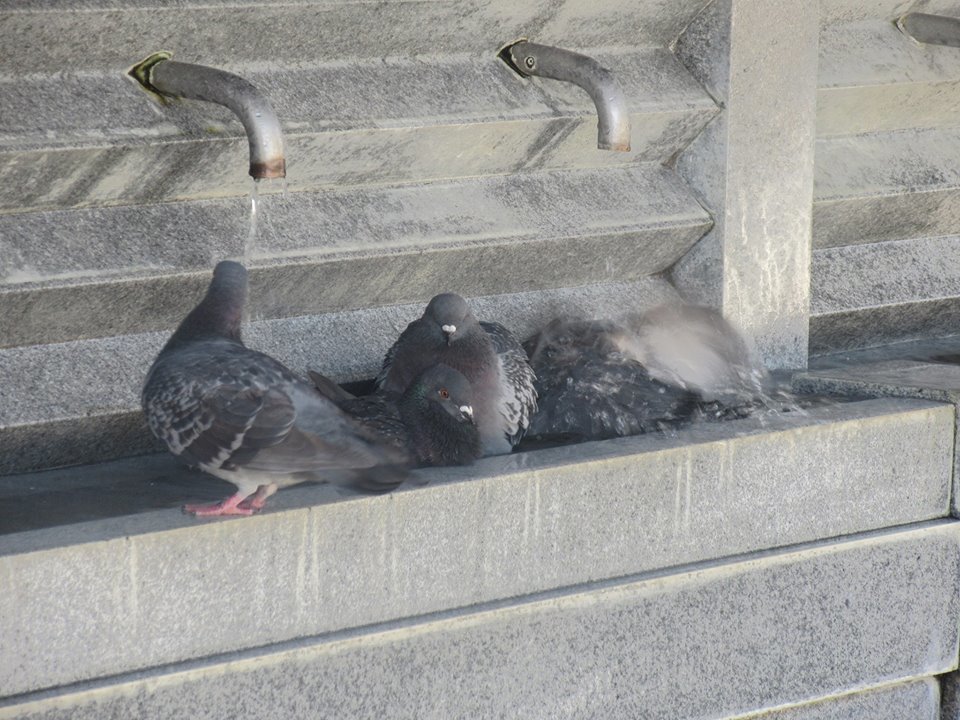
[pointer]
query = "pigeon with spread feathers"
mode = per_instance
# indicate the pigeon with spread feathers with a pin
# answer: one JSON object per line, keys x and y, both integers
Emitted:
{"x": 243, "y": 417}
{"x": 599, "y": 379}
{"x": 488, "y": 356}
{"x": 431, "y": 422}
{"x": 590, "y": 390}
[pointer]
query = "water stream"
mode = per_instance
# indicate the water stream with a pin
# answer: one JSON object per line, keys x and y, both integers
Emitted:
{"x": 250, "y": 244}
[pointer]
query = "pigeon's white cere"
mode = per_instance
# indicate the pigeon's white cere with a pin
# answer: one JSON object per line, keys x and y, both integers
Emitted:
{"x": 449, "y": 328}
{"x": 466, "y": 410}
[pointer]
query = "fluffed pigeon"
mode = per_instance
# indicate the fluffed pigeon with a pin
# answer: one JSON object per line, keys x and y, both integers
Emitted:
{"x": 242, "y": 416}
{"x": 432, "y": 422}
{"x": 694, "y": 347}
{"x": 600, "y": 378}
{"x": 485, "y": 352}
{"x": 589, "y": 390}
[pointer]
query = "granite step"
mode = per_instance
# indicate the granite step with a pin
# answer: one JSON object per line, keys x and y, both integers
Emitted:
{"x": 917, "y": 699}
{"x": 928, "y": 369}
{"x": 824, "y": 619}
{"x": 78, "y": 401}
{"x": 881, "y": 293}
{"x": 886, "y": 186}
{"x": 89, "y": 136}
{"x": 874, "y": 78}
{"x": 507, "y": 527}
{"x": 56, "y": 34}
{"x": 66, "y": 273}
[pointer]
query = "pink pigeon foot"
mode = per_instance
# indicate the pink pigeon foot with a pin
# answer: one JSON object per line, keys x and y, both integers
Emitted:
{"x": 256, "y": 501}
{"x": 231, "y": 506}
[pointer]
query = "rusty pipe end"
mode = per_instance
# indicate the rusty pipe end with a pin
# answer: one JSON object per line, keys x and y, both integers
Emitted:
{"x": 616, "y": 146}
{"x": 268, "y": 170}
{"x": 163, "y": 78}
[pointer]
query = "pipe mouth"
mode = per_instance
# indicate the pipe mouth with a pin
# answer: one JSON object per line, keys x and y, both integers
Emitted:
{"x": 529, "y": 59}
{"x": 142, "y": 70}
{"x": 616, "y": 146}
{"x": 506, "y": 54}
{"x": 274, "y": 168}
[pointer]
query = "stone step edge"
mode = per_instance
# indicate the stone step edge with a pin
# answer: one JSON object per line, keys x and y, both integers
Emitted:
{"x": 219, "y": 663}
{"x": 547, "y": 100}
{"x": 930, "y": 682}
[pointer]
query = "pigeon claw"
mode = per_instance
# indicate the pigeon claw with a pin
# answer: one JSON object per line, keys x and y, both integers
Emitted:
{"x": 231, "y": 506}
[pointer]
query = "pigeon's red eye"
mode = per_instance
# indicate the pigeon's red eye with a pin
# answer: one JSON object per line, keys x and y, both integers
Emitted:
{"x": 444, "y": 393}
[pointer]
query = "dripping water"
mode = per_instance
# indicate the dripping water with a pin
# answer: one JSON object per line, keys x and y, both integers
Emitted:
{"x": 250, "y": 243}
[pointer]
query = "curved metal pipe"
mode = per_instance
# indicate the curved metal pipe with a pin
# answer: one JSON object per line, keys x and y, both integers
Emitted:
{"x": 931, "y": 29}
{"x": 613, "y": 125}
{"x": 162, "y": 76}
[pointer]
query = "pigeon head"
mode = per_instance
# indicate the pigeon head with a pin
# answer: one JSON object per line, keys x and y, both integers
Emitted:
{"x": 219, "y": 313}
{"x": 443, "y": 387}
{"x": 451, "y": 315}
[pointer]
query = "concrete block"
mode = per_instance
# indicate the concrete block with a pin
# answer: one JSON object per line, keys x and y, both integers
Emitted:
{"x": 901, "y": 377}
{"x": 837, "y": 12}
{"x": 895, "y": 215}
{"x": 879, "y": 293}
{"x": 950, "y": 691}
{"x": 217, "y": 168}
{"x": 886, "y": 186}
{"x": 199, "y": 31}
{"x": 510, "y": 526}
{"x": 75, "y": 402}
{"x": 848, "y": 330}
{"x": 763, "y": 224}
{"x": 912, "y": 700}
{"x": 820, "y": 620}
{"x": 888, "y": 273}
{"x": 335, "y": 251}
{"x": 874, "y": 78}
{"x": 321, "y": 96}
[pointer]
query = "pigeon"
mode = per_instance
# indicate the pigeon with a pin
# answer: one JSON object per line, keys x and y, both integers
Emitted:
{"x": 432, "y": 422}
{"x": 487, "y": 355}
{"x": 696, "y": 348}
{"x": 589, "y": 390}
{"x": 598, "y": 379}
{"x": 243, "y": 417}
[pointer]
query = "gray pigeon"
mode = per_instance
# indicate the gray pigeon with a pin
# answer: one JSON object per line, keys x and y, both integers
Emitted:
{"x": 599, "y": 378}
{"x": 694, "y": 347}
{"x": 486, "y": 353}
{"x": 432, "y": 422}
{"x": 242, "y": 416}
{"x": 589, "y": 390}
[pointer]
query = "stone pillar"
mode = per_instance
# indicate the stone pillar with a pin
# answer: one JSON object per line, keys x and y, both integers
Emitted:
{"x": 753, "y": 169}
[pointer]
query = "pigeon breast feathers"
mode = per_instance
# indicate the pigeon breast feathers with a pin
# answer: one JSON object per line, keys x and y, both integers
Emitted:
{"x": 519, "y": 398}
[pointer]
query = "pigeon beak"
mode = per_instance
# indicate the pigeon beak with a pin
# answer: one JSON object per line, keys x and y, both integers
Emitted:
{"x": 449, "y": 330}
{"x": 466, "y": 412}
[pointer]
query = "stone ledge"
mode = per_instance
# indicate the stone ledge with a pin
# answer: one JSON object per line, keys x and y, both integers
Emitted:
{"x": 107, "y": 108}
{"x": 823, "y": 619}
{"x": 551, "y": 209}
{"x": 861, "y": 375}
{"x": 886, "y": 186}
{"x": 911, "y": 700}
{"x": 874, "y": 78}
{"x": 247, "y": 34}
{"x": 884, "y": 292}
{"x": 508, "y": 527}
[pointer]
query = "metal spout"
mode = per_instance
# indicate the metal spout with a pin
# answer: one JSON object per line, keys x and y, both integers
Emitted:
{"x": 931, "y": 29}
{"x": 613, "y": 126}
{"x": 166, "y": 78}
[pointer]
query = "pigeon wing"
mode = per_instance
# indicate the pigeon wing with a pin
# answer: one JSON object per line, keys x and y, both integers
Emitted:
{"x": 518, "y": 400}
{"x": 210, "y": 427}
